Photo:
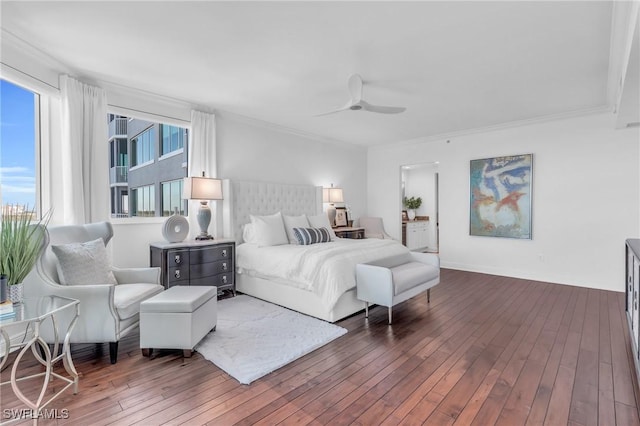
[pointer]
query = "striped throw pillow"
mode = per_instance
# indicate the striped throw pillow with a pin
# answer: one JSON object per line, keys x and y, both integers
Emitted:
{"x": 306, "y": 236}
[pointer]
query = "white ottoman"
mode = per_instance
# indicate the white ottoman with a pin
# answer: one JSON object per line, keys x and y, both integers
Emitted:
{"x": 178, "y": 318}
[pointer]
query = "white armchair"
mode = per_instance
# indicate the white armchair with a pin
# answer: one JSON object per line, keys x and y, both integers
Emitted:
{"x": 373, "y": 227}
{"x": 107, "y": 312}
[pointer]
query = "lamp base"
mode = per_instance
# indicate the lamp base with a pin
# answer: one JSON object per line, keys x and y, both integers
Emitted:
{"x": 204, "y": 237}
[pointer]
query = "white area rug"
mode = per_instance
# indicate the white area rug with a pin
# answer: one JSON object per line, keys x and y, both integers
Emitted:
{"x": 254, "y": 338}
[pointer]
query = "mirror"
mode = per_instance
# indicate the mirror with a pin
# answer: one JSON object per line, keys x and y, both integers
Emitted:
{"x": 420, "y": 181}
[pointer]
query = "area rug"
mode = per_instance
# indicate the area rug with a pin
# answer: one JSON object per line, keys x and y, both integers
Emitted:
{"x": 254, "y": 338}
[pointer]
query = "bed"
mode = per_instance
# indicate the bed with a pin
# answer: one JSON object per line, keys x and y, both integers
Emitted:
{"x": 317, "y": 279}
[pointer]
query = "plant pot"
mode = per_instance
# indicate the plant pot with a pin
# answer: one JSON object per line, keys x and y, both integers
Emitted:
{"x": 411, "y": 214}
{"x": 16, "y": 294}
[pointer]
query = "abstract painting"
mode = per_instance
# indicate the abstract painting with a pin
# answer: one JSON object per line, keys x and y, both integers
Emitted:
{"x": 501, "y": 196}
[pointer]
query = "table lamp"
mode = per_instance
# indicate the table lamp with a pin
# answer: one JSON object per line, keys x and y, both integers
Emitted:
{"x": 332, "y": 195}
{"x": 203, "y": 189}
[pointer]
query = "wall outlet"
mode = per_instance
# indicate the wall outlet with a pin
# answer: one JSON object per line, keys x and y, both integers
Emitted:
{"x": 541, "y": 257}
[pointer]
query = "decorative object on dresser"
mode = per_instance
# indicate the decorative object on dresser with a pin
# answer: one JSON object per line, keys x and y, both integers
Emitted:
{"x": 176, "y": 228}
{"x": 203, "y": 189}
{"x": 412, "y": 204}
{"x": 341, "y": 216}
{"x": 500, "y": 196}
{"x": 332, "y": 195}
{"x": 207, "y": 262}
{"x": 254, "y": 337}
{"x": 632, "y": 249}
{"x": 350, "y": 232}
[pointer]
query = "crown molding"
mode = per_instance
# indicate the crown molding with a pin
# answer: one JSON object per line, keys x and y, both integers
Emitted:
{"x": 288, "y": 130}
{"x": 503, "y": 126}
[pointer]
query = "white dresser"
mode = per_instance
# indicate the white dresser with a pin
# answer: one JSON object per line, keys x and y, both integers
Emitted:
{"x": 632, "y": 296}
{"x": 416, "y": 234}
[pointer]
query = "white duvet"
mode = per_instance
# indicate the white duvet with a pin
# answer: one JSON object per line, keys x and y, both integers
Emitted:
{"x": 327, "y": 269}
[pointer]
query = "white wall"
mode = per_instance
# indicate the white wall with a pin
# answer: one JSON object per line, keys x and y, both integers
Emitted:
{"x": 259, "y": 152}
{"x": 585, "y": 199}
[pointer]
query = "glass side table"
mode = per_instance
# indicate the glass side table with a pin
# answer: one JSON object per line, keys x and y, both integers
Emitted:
{"x": 23, "y": 333}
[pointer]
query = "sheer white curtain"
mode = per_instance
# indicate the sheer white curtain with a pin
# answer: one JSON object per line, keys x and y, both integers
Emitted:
{"x": 202, "y": 158}
{"x": 85, "y": 152}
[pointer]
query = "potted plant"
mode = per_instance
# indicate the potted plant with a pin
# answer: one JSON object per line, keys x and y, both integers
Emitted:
{"x": 21, "y": 238}
{"x": 412, "y": 204}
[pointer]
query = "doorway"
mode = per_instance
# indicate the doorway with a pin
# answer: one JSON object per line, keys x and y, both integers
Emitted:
{"x": 421, "y": 181}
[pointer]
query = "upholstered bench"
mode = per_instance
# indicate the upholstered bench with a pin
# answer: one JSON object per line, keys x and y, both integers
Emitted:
{"x": 178, "y": 318}
{"x": 392, "y": 280}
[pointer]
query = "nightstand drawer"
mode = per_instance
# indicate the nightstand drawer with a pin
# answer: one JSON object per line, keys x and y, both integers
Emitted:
{"x": 178, "y": 273}
{"x": 209, "y": 269}
{"x": 177, "y": 258}
{"x": 210, "y": 254}
{"x": 222, "y": 281}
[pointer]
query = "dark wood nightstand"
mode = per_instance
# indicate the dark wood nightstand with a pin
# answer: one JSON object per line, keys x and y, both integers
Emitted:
{"x": 346, "y": 232}
{"x": 210, "y": 262}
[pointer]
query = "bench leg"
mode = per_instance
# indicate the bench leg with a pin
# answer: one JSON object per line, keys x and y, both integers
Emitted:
{"x": 428, "y": 295}
{"x": 389, "y": 315}
{"x": 366, "y": 309}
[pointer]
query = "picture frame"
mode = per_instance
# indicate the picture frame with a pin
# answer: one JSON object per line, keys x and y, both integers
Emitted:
{"x": 500, "y": 196}
{"x": 405, "y": 215}
{"x": 341, "y": 216}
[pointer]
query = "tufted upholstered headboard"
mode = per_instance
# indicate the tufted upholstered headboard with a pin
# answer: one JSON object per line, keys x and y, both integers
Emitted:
{"x": 242, "y": 199}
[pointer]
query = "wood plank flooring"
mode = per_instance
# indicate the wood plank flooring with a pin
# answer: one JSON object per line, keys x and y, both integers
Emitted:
{"x": 487, "y": 350}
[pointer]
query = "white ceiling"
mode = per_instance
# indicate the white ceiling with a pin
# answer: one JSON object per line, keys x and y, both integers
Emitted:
{"x": 455, "y": 66}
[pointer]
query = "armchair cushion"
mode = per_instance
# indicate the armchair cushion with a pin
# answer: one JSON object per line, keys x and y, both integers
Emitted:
{"x": 83, "y": 263}
{"x": 127, "y": 297}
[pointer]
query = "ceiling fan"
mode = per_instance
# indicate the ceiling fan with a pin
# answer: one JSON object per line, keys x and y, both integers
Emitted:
{"x": 357, "y": 104}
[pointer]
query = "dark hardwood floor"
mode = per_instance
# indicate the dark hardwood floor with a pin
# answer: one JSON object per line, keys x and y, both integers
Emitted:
{"x": 486, "y": 350}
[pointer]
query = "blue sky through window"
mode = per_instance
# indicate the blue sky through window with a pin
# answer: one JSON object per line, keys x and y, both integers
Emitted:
{"x": 17, "y": 145}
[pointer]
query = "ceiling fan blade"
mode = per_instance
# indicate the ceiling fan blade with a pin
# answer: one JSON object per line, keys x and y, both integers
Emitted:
{"x": 355, "y": 88}
{"x": 381, "y": 109}
{"x": 344, "y": 108}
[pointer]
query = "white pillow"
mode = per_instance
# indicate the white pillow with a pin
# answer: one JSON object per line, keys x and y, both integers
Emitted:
{"x": 291, "y": 222}
{"x": 83, "y": 263}
{"x": 249, "y": 234}
{"x": 321, "y": 221}
{"x": 269, "y": 230}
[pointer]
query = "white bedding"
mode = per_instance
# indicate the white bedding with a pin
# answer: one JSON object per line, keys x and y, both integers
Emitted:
{"x": 326, "y": 269}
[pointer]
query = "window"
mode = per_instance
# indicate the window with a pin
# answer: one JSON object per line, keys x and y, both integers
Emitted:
{"x": 142, "y": 147}
{"x": 137, "y": 142}
{"x": 172, "y": 138}
{"x": 143, "y": 201}
{"x": 19, "y": 145}
{"x": 172, "y": 198}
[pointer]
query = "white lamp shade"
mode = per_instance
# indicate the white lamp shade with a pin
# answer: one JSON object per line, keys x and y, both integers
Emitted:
{"x": 202, "y": 188}
{"x": 335, "y": 195}
{"x": 332, "y": 195}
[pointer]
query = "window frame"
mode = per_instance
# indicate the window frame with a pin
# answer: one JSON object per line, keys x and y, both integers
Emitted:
{"x": 137, "y": 114}
{"x": 41, "y": 113}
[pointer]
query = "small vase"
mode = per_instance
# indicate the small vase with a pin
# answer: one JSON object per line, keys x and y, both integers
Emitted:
{"x": 3, "y": 289}
{"x": 411, "y": 214}
{"x": 16, "y": 293}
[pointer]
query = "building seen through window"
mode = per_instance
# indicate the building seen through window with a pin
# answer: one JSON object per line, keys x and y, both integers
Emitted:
{"x": 148, "y": 162}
